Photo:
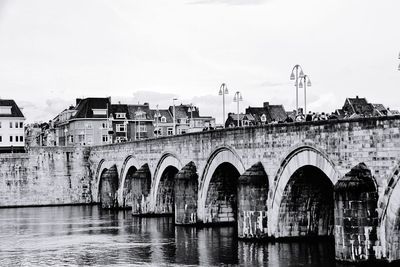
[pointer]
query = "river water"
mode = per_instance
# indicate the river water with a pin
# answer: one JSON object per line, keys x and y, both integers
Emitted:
{"x": 89, "y": 236}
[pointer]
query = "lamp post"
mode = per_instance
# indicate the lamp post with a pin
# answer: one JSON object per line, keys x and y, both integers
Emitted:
{"x": 237, "y": 98}
{"x": 295, "y": 76}
{"x": 223, "y": 90}
{"x": 191, "y": 109}
{"x": 399, "y": 64}
{"x": 174, "y": 118}
{"x": 305, "y": 80}
{"x": 157, "y": 116}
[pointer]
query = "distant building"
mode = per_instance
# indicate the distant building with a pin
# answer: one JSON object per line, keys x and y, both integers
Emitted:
{"x": 163, "y": 122}
{"x": 86, "y": 123}
{"x": 141, "y": 124}
{"x": 244, "y": 120}
{"x": 360, "y": 107}
{"x": 12, "y": 135}
{"x": 188, "y": 119}
{"x": 267, "y": 113}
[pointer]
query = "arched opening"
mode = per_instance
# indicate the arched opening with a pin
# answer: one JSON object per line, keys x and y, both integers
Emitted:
{"x": 165, "y": 195}
{"x": 108, "y": 187}
{"x": 307, "y": 205}
{"x": 221, "y": 200}
{"x": 127, "y": 188}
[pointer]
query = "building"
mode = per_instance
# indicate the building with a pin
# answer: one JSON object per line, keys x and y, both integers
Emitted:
{"x": 86, "y": 123}
{"x": 12, "y": 133}
{"x": 188, "y": 119}
{"x": 163, "y": 122}
{"x": 267, "y": 113}
{"x": 244, "y": 120}
{"x": 141, "y": 125}
{"x": 360, "y": 107}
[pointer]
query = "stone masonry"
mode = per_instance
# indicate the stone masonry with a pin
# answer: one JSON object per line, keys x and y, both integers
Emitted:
{"x": 333, "y": 147}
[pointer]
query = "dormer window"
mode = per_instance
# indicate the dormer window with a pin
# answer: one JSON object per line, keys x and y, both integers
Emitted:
{"x": 5, "y": 110}
{"x": 263, "y": 118}
{"x": 120, "y": 115}
{"x": 163, "y": 119}
{"x": 99, "y": 111}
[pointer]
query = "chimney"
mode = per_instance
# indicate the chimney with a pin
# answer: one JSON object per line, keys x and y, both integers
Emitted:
{"x": 266, "y": 104}
{"x": 356, "y": 96}
{"x": 146, "y": 104}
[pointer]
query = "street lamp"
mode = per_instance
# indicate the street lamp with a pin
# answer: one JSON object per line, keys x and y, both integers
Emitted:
{"x": 399, "y": 64}
{"x": 295, "y": 76}
{"x": 157, "y": 115}
{"x": 191, "y": 109}
{"x": 223, "y": 90}
{"x": 173, "y": 103}
{"x": 307, "y": 82}
{"x": 237, "y": 98}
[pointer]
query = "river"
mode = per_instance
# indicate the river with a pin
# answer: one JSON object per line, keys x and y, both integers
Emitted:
{"x": 89, "y": 236}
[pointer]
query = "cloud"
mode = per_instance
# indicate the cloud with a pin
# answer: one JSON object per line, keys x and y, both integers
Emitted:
{"x": 229, "y": 2}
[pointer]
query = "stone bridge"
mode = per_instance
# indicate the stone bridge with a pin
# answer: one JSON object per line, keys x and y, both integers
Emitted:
{"x": 309, "y": 179}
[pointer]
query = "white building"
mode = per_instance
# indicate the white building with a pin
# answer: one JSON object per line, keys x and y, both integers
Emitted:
{"x": 11, "y": 127}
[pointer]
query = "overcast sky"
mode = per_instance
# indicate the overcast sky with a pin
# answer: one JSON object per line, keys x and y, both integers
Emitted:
{"x": 52, "y": 51}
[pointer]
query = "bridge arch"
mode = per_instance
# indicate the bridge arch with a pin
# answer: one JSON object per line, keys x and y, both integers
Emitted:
{"x": 102, "y": 166}
{"x": 390, "y": 217}
{"x": 303, "y": 161}
{"x": 168, "y": 165}
{"x": 222, "y": 160}
{"x": 129, "y": 167}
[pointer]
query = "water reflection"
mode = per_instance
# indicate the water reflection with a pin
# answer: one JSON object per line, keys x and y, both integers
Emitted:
{"x": 85, "y": 235}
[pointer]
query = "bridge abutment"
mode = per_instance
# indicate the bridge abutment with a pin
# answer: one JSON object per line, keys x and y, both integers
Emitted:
{"x": 186, "y": 189}
{"x": 140, "y": 191}
{"x": 252, "y": 203}
{"x": 356, "y": 216}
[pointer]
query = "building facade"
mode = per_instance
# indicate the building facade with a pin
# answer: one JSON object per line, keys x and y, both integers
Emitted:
{"x": 12, "y": 133}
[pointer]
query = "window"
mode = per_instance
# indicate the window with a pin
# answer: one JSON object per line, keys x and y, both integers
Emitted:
{"x": 142, "y": 128}
{"x": 11, "y": 138}
{"x": 21, "y": 138}
{"x": 263, "y": 118}
{"x": 1, "y": 138}
{"x": 88, "y": 125}
{"x": 81, "y": 138}
{"x": 104, "y": 125}
{"x": 10, "y": 124}
{"x": 71, "y": 138}
{"x": 163, "y": 119}
{"x": 105, "y": 138}
{"x": 0, "y": 124}
{"x": 121, "y": 127}
{"x": 170, "y": 131}
{"x": 16, "y": 124}
{"x": 120, "y": 115}
{"x": 21, "y": 125}
{"x": 5, "y": 110}
{"x": 99, "y": 111}
{"x": 89, "y": 139}
{"x": 16, "y": 138}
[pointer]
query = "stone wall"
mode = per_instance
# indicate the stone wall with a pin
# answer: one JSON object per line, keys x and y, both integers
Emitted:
{"x": 45, "y": 176}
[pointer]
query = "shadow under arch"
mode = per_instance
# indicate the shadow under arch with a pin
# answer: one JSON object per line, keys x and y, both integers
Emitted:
{"x": 126, "y": 169}
{"x": 220, "y": 155}
{"x": 298, "y": 158}
{"x": 101, "y": 167}
{"x": 167, "y": 160}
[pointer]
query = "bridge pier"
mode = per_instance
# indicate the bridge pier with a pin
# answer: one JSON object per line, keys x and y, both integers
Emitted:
{"x": 186, "y": 188}
{"x": 252, "y": 203}
{"x": 356, "y": 216}
{"x": 108, "y": 189}
{"x": 140, "y": 190}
